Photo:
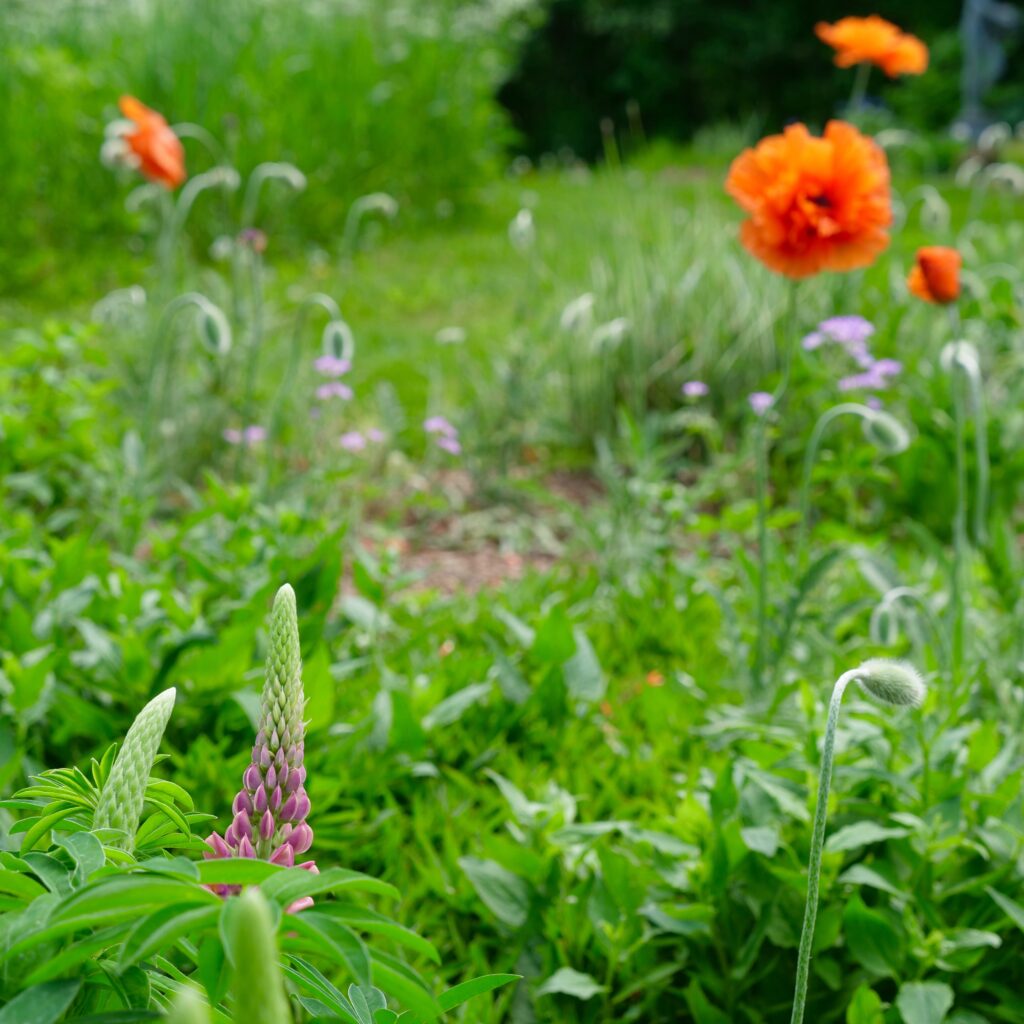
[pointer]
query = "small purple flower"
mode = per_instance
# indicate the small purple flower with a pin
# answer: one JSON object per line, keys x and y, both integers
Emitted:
{"x": 761, "y": 402}
{"x": 851, "y": 332}
{"x": 253, "y": 238}
{"x": 375, "y": 434}
{"x": 450, "y": 445}
{"x": 249, "y": 436}
{"x": 332, "y": 366}
{"x": 695, "y": 389}
{"x": 353, "y": 441}
{"x": 439, "y": 425}
{"x": 874, "y": 378}
{"x": 333, "y": 389}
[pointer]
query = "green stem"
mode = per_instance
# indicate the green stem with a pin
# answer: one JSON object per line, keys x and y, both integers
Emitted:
{"x": 860, "y": 86}
{"x": 960, "y": 539}
{"x": 803, "y": 966}
{"x": 761, "y": 654}
{"x": 810, "y": 457}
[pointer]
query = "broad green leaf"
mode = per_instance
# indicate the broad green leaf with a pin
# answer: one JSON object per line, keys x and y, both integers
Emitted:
{"x": 762, "y": 839}
{"x": 452, "y": 708}
{"x": 459, "y": 994}
{"x": 506, "y": 895}
{"x": 237, "y": 871}
{"x": 865, "y": 1007}
{"x": 569, "y": 982}
{"x": 861, "y": 833}
{"x": 41, "y": 1004}
{"x": 924, "y": 1002}
{"x": 18, "y": 884}
{"x": 583, "y": 676}
{"x": 872, "y": 939}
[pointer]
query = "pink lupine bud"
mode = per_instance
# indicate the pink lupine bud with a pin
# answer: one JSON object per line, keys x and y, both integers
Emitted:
{"x": 301, "y": 904}
{"x": 243, "y": 803}
{"x": 242, "y": 826}
{"x": 287, "y": 812}
{"x": 302, "y": 810}
{"x": 274, "y": 741}
{"x": 292, "y": 754}
{"x": 275, "y": 799}
{"x": 229, "y": 836}
{"x": 286, "y": 831}
{"x": 266, "y": 826}
{"x": 310, "y": 866}
{"x": 220, "y": 848}
{"x": 282, "y": 777}
{"x": 245, "y": 848}
{"x": 264, "y": 757}
{"x": 260, "y": 800}
{"x": 271, "y": 777}
{"x": 283, "y": 855}
{"x": 294, "y": 780}
{"x": 301, "y": 839}
{"x": 252, "y": 778}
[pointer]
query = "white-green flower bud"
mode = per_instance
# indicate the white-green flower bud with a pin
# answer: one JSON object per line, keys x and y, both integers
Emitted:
{"x": 891, "y": 682}
{"x": 124, "y": 793}
{"x": 886, "y": 432}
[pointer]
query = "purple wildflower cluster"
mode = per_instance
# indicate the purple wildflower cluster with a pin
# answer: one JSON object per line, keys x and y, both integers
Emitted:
{"x": 335, "y": 367}
{"x": 852, "y": 334}
{"x": 695, "y": 389}
{"x": 761, "y": 402}
{"x": 445, "y": 434}
{"x": 357, "y": 440}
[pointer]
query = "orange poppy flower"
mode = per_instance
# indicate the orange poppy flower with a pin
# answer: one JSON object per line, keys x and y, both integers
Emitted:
{"x": 159, "y": 151}
{"x": 876, "y": 41}
{"x": 935, "y": 276}
{"x": 814, "y": 203}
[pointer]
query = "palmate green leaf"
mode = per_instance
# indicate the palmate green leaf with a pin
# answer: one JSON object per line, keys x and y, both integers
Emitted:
{"x": 333, "y": 940}
{"x": 238, "y": 871}
{"x": 865, "y": 1007}
{"x": 398, "y": 979}
{"x": 310, "y": 980}
{"x": 77, "y": 953}
{"x": 164, "y": 928}
{"x": 873, "y": 939}
{"x": 292, "y": 884}
{"x": 87, "y": 853}
{"x": 41, "y": 1004}
{"x": 366, "y": 920}
{"x": 459, "y": 994}
{"x": 17, "y": 884}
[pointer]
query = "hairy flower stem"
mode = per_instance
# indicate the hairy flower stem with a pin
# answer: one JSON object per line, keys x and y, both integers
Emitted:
{"x": 891, "y": 683}
{"x": 860, "y": 87}
{"x": 761, "y": 651}
{"x": 803, "y": 965}
{"x": 961, "y": 544}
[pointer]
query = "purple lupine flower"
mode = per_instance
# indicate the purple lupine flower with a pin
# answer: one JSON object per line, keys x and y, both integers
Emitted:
{"x": 332, "y": 366}
{"x": 695, "y": 389}
{"x": 333, "y": 389}
{"x": 761, "y": 402}
{"x": 271, "y": 808}
{"x": 353, "y": 441}
{"x": 440, "y": 425}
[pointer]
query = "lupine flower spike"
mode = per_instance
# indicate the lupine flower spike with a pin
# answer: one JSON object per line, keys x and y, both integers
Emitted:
{"x": 896, "y": 684}
{"x": 271, "y": 808}
{"x": 124, "y": 792}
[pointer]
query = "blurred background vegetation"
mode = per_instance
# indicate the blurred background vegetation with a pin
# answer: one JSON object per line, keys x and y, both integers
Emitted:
{"x": 423, "y": 99}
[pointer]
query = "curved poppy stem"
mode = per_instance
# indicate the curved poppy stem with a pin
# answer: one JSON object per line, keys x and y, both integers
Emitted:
{"x": 860, "y": 87}
{"x": 803, "y": 964}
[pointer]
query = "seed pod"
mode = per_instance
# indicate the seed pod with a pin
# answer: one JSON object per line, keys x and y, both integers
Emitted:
{"x": 886, "y": 433}
{"x": 124, "y": 793}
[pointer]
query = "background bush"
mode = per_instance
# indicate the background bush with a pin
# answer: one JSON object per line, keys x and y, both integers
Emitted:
{"x": 688, "y": 63}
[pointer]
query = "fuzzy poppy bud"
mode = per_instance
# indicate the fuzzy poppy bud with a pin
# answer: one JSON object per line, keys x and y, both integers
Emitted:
{"x": 891, "y": 682}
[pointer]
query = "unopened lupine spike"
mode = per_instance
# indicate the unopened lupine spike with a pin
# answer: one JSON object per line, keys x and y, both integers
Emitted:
{"x": 258, "y": 987}
{"x": 188, "y": 1008}
{"x": 124, "y": 793}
